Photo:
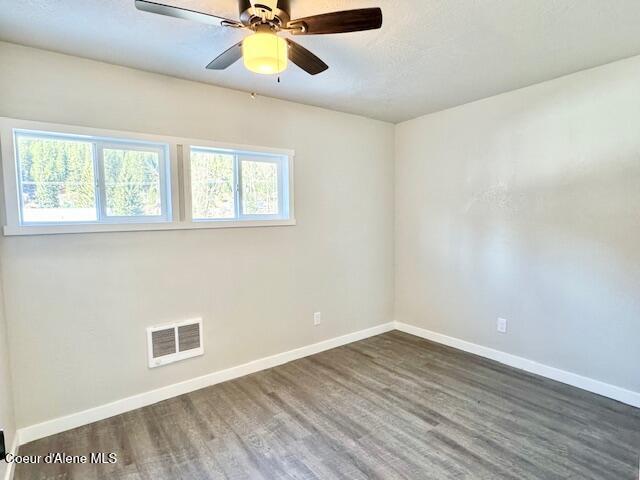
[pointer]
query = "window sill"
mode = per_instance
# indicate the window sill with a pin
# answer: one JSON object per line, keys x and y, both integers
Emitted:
{"x": 10, "y": 230}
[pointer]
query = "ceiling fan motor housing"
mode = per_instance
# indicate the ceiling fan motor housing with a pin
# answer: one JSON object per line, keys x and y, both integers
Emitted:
{"x": 274, "y": 13}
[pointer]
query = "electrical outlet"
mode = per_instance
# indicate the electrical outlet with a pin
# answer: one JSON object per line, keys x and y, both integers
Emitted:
{"x": 502, "y": 325}
{"x": 317, "y": 318}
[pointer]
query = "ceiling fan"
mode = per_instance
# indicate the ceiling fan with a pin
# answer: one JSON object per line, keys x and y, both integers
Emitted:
{"x": 264, "y": 51}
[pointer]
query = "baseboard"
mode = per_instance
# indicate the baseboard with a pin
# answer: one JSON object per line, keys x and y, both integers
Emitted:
{"x": 61, "y": 424}
{"x": 611, "y": 391}
{"x": 11, "y": 466}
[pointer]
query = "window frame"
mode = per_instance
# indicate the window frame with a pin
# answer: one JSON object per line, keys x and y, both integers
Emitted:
{"x": 166, "y": 213}
{"x": 178, "y": 182}
{"x": 282, "y": 192}
{"x": 282, "y": 165}
{"x": 99, "y": 144}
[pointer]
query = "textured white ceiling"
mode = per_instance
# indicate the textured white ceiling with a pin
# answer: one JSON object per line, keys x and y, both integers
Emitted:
{"x": 429, "y": 55}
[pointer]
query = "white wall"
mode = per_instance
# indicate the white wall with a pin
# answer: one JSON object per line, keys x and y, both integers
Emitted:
{"x": 527, "y": 206}
{"x": 77, "y": 305}
{"x": 524, "y": 205}
{"x": 7, "y": 421}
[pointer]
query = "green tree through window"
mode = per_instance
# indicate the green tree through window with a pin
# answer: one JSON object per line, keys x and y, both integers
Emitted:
{"x": 58, "y": 181}
{"x": 132, "y": 182}
{"x": 56, "y": 174}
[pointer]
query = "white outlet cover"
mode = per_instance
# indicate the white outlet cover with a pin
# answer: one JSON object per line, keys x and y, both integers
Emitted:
{"x": 317, "y": 318}
{"x": 502, "y": 325}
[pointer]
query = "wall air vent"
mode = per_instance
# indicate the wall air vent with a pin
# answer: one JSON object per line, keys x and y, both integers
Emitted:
{"x": 171, "y": 342}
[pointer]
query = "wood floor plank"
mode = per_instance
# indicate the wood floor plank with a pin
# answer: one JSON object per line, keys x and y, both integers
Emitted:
{"x": 389, "y": 407}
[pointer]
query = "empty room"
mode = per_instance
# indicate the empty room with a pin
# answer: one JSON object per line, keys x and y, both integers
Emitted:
{"x": 319, "y": 239}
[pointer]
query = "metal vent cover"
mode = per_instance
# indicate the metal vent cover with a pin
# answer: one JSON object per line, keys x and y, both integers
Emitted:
{"x": 163, "y": 342}
{"x": 189, "y": 337}
{"x": 171, "y": 342}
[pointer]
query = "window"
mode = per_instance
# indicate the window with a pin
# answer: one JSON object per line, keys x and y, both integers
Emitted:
{"x": 57, "y": 179}
{"x": 236, "y": 185}
{"x": 212, "y": 185}
{"x": 66, "y": 179}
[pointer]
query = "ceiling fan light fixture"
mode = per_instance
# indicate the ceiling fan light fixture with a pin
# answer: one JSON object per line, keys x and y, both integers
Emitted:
{"x": 265, "y": 53}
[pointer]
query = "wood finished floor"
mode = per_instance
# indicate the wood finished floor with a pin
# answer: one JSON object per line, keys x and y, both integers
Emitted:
{"x": 389, "y": 407}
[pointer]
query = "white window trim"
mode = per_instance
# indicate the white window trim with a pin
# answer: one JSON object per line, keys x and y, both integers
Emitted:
{"x": 239, "y": 155}
{"x": 100, "y": 144}
{"x": 164, "y": 169}
{"x": 179, "y": 181}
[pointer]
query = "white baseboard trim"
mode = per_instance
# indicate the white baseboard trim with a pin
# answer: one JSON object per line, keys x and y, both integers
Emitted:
{"x": 61, "y": 424}
{"x": 611, "y": 391}
{"x": 11, "y": 466}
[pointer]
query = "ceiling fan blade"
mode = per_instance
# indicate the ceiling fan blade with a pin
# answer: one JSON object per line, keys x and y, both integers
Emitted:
{"x": 338, "y": 22}
{"x": 177, "y": 12}
{"x": 227, "y": 58}
{"x": 306, "y": 60}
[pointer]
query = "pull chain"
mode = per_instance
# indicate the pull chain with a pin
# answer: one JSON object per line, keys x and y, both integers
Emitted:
{"x": 278, "y": 58}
